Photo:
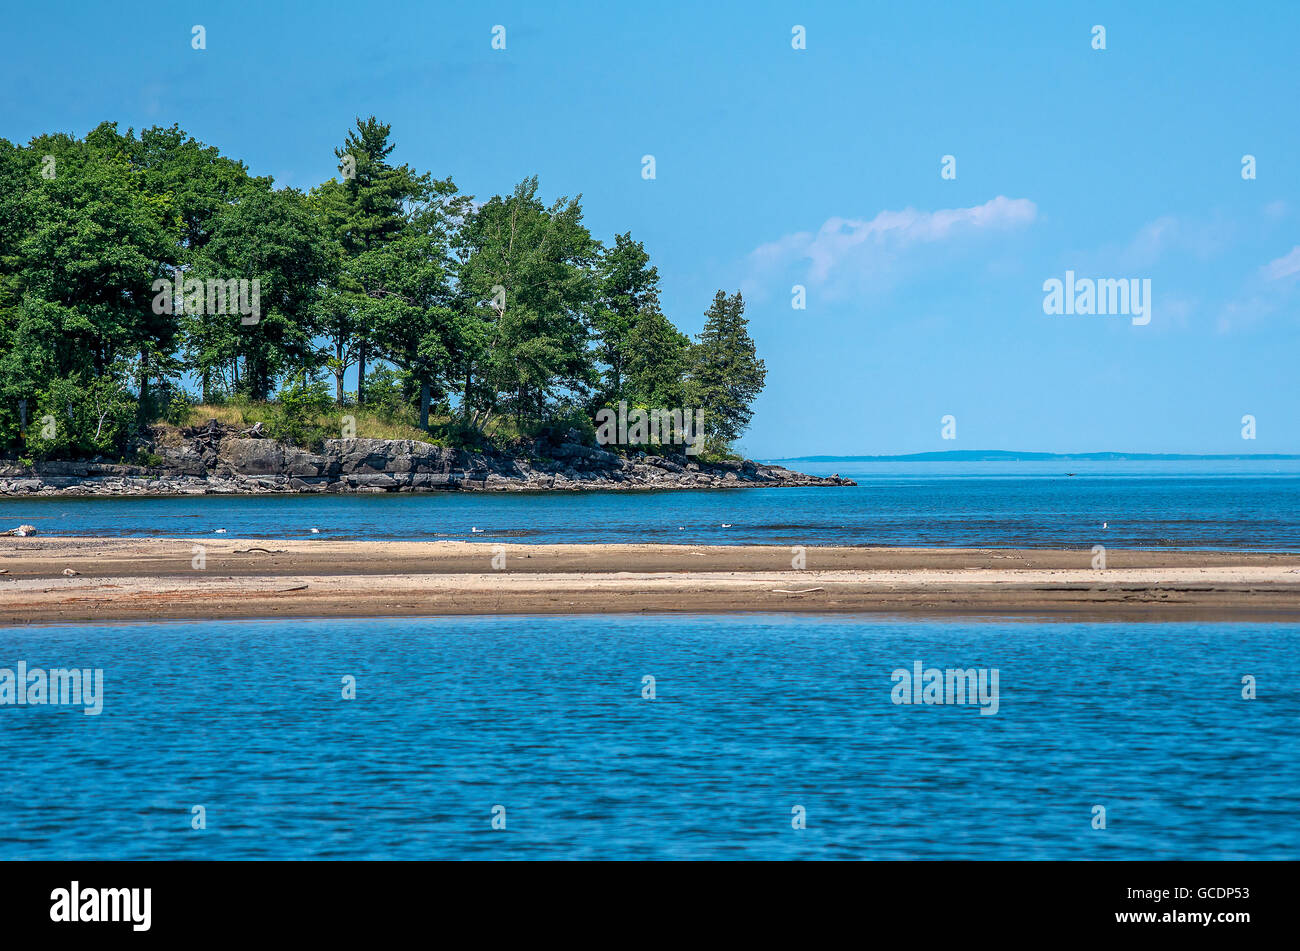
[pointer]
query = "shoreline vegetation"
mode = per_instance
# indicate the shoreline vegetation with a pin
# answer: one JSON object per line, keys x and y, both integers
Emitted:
{"x": 148, "y": 281}
{"x": 50, "y": 579}
{"x": 217, "y": 460}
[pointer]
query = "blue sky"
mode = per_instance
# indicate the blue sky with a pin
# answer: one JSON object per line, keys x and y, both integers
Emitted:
{"x": 818, "y": 167}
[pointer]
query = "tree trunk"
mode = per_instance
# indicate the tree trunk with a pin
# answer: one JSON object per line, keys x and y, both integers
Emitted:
{"x": 424, "y": 405}
{"x": 207, "y": 377}
{"x": 361, "y": 375}
{"x": 338, "y": 371}
{"x": 144, "y": 383}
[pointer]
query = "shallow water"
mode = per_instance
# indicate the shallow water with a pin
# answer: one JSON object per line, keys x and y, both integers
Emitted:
{"x": 1207, "y": 505}
{"x": 753, "y": 716}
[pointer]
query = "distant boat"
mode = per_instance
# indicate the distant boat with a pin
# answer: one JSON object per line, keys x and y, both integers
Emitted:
{"x": 220, "y": 531}
{"x": 475, "y": 529}
{"x": 726, "y": 525}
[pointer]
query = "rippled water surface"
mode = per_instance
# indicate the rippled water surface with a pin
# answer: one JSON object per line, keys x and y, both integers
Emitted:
{"x": 1241, "y": 505}
{"x": 753, "y": 716}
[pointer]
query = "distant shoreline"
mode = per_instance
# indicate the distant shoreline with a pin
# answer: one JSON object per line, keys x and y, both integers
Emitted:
{"x": 113, "y": 579}
{"x": 1006, "y": 455}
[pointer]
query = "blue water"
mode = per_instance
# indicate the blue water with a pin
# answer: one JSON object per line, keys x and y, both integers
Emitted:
{"x": 754, "y": 715}
{"x": 1216, "y": 505}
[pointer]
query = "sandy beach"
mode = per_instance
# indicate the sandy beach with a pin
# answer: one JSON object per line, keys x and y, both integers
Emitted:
{"x": 82, "y": 579}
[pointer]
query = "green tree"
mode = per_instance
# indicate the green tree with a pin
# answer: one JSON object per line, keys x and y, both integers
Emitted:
{"x": 410, "y": 312}
{"x": 527, "y": 289}
{"x": 200, "y": 186}
{"x": 81, "y": 241}
{"x": 372, "y": 205}
{"x": 628, "y": 289}
{"x": 656, "y": 362}
{"x": 81, "y": 417}
{"x": 274, "y": 238}
{"x": 726, "y": 374}
{"x": 512, "y": 305}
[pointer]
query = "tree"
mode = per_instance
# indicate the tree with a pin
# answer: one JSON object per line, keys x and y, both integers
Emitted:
{"x": 655, "y": 364}
{"x": 725, "y": 374}
{"x": 628, "y": 290}
{"x": 128, "y": 260}
{"x": 274, "y": 238}
{"x": 413, "y": 323}
{"x": 200, "y": 186}
{"x": 83, "y": 241}
{"x": 527, "y": 291}
{"x": 371, "y": 206}
{"x": 89, "y": 416}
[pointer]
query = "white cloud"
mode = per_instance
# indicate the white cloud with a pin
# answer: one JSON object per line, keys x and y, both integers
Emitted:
{"x": 847, "y": 244}
{"x": 1284, "y": 266}
{"x": 1202, "y": 240}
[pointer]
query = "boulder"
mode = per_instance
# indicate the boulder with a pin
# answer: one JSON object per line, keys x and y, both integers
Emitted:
{"x": 252, "y": 456}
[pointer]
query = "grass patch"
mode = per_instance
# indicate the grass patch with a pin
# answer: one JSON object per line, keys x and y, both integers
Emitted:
{"x": 310, "y": 428}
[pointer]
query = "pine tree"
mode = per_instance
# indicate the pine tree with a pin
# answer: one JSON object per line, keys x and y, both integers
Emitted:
{"x": 726, "y": 374}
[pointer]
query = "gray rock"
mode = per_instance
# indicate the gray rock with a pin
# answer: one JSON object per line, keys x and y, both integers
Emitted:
{"x": 252, "y": 456}
{"x": 377, "y": 480}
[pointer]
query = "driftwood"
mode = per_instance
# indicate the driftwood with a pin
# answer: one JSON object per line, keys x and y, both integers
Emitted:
{"x": 254, "y": 431}
{"x": 21, "y": 531}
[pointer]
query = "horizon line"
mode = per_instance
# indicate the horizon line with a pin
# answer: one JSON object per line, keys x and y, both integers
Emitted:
{"x": 1033, "y": 455}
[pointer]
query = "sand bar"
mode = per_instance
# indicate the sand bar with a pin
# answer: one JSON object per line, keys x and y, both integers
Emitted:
{"x": 145, "y": 579}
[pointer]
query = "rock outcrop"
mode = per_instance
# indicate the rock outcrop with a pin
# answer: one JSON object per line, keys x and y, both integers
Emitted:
{"x": 212, "y": 460}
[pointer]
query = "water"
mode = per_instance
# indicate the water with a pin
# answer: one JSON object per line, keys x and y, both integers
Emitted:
{"x": 753, "y": 716}
{"x": 1191, "y": 505}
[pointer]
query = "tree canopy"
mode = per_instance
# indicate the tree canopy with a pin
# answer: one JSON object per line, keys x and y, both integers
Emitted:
{"x": 138, "y": 269}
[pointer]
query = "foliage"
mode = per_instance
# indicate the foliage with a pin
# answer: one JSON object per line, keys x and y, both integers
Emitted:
{"x": 178, "y": 408}
{"x": 726, "y": 374}
{"x": 471, "y": 323}
{"x": 556, "y": 428}
{"x": 296, "y": 418}
{"x": 79, "y": 418}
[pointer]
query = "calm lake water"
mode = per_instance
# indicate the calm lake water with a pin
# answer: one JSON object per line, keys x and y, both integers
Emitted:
{"x": 1242, "y": 505}
{"x": 753, "y": 716}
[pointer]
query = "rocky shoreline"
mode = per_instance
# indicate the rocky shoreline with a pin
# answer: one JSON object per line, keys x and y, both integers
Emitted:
{"x": 214, "y": 460}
